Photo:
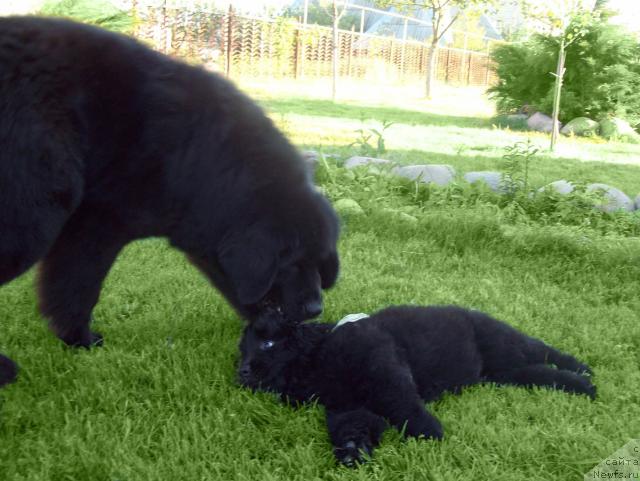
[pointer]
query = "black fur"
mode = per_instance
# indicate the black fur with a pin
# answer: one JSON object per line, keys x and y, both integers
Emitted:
{"x": 387, "y": 366}
{"x": 103, "y": 141}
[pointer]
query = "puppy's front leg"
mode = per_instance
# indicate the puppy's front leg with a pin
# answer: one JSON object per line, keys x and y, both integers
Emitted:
{"x": 395, "y": 397}
{"x": 354, "y": 434}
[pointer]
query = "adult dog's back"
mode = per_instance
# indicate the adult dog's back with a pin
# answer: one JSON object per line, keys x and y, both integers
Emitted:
{"x": 103, "y": 141}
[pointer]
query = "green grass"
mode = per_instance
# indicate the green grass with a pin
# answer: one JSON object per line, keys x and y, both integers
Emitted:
{"x": 427, "y": 134}
{"x": 159, "y": 401}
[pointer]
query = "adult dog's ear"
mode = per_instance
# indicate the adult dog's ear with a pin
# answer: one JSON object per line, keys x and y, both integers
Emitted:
{"x": 328, "y": 270}
{"x": 250, "y": 261}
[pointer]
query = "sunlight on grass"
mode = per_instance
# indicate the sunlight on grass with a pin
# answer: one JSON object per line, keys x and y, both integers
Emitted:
{"x": 439, "y": 132}
{"x": 159, "y": 401}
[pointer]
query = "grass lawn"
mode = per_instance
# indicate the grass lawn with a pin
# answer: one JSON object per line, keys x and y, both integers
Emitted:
{"x": 159, "y": 401}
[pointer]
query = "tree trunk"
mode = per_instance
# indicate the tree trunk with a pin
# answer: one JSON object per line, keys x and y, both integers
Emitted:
{"x": 556, "y": 95}
{"x": 336, "y": 60}
{"x": 431, "y": 70}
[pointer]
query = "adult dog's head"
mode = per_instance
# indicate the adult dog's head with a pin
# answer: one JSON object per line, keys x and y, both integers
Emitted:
{"x": 274, "y": 261}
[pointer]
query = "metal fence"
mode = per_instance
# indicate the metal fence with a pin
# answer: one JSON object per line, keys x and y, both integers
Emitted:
{"x": 243, "y": 46}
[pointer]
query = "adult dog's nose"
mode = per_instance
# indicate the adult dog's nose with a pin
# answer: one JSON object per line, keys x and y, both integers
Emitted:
{"x": 312, "y": 308}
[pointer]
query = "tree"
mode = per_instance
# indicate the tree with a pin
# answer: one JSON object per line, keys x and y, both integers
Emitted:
{"x": 443, "y": 16}
{"x": 566, "y": 20}
{"x": 103, "y": 13}
{"x": 602, "y": 74}
{"x": 336, "y": 15}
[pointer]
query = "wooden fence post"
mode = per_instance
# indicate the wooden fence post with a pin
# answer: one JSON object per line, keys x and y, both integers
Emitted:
{"x": 296, "y": 55}
{"x": 446, "y": 67}
{"x": 353, "y": 30}
{"x": 487, "y": 67}
{"x": 229, "y": 40}
{"x": 404, "y": 47}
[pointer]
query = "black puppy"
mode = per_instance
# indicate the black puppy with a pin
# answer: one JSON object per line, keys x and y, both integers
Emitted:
{"x": 387, "y": 366}
{"x": 104, "y": 141}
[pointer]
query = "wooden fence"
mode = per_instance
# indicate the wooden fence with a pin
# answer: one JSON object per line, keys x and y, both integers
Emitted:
{"x": 243, "y": 46}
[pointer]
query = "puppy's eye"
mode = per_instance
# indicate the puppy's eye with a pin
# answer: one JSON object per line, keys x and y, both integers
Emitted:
{"x": 266, "y": 345}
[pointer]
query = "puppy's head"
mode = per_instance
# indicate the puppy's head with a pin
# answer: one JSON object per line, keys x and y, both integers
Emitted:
{"x": 267, "y": 353}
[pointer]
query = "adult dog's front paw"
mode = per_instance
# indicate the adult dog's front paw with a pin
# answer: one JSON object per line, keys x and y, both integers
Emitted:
{"x": 353, "y": 452}
{"x": 82, "y": 338}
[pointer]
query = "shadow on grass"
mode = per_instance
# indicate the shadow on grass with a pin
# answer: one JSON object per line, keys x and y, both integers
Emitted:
{"x": 326, "y": 108}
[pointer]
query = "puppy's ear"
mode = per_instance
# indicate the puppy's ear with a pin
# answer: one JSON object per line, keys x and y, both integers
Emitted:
{"x": 328, "y": 270}
{"x": 250, "y": 260}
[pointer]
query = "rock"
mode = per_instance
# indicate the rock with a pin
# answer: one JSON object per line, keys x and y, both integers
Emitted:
{"x": 637, "y": 202}
{"x": 400, "y": 215}
{"x": 347, "y": 207}
{"x": 581, "y": 126}
{"x": 492, "y": 179}
{"x": 618, "y": 129}
{"x": 517, "y": 117}
{"x": 438, "y": 174}
{"x": 614, "y": 198}
{"x": 357, "y": 161}
{"x": 311, "y": 158}
{"x": 540, "y": 122}
{"x": 563, "y": 187}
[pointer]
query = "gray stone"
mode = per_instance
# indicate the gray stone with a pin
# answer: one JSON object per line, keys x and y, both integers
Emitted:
{"x": 311, "y": 158}
{"x": 492, "y": 179}
{"x": 614, "y": 198}
{"x": 563, "y": 187}
{"x": 438, "y": 174}
{"x": 540, "y": 122}
{"x": 637, "y": 202}
{"x": 517, "y": 117}
{"x": 347, "y": 207}
{"x": 358, "y": 161}
{"x": 582, "y": 126}
{"x": 618, "y": 129}
{"x": 400, "y": 215}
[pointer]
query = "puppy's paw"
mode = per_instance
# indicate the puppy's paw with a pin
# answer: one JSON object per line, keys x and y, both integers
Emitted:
{"x": 8, "y": 370}
{"x": 588, "y": 388}
{"x": 584, "y": 370}
{"x": 425, "y": 427}
{"x": 353, "y": 452}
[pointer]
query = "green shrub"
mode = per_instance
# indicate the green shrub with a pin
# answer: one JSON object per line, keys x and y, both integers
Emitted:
{"x": 602, "y": 74}
{"x": 102, "y": 13}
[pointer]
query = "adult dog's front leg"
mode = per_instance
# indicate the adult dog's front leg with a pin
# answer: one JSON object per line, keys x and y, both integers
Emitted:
{"x": 354, "y": 434}
{"x": 71, "y": 275}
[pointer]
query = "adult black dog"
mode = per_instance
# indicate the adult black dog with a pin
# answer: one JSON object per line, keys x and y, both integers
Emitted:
{"x": 385, "y": 367}
{"x": 103, "y": 141}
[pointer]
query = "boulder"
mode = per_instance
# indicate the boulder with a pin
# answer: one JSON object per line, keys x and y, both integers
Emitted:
{"x": 358, "y": 161}
{"x": 311, "y": 158}
{"x": 347, "y": 207}
{"x": 492, "y": 179}
{"x": 614, "y": 198}
{"x": 400, "y": 215}
{"x": 563, "y": 187}
{"x": 438, "y": 174}
{"x": 581, "y": 126}
{"x": 540, "y": 122}
{"x": 517, "y": 117}
{"x": 637, "y": 202}
{"x": 618, "y": 129}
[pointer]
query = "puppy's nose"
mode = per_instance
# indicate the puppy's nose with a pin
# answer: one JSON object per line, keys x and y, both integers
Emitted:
{"x": 313, "y": 308}
{"x": 244, "y": 371}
